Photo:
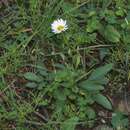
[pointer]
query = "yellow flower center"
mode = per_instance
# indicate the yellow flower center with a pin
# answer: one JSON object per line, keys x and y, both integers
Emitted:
{"x": 60, "y": 27}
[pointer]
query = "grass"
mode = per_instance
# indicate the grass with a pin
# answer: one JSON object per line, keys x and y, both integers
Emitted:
{"x": 63, "y": 81}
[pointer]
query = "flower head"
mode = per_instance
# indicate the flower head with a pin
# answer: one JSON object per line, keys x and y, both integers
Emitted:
{"x": 59, "y": 26}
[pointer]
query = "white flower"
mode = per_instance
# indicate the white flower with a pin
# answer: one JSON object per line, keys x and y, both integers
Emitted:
{"x": 59, "y": 26}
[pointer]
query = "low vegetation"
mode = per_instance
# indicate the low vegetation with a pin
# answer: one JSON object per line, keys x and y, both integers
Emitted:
{"x": 64, "y": 64}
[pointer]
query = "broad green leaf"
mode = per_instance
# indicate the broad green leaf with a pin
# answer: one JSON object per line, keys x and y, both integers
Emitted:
{"x": 31, "y": 85}
{"x": 91, "y": 86}
{"x": 43, "y": 73}
{"x": 100, "y": 72}
{"x": 69, "y": 124}
{"x": 101, "y": 80}
{"x": 32, "y": 77}
{"x": 111, "y": 34}
{"x": 102, "y": 100}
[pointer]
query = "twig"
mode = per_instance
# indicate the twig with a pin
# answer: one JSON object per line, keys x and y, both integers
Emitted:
{"x": 84, "y": 75}
{"x": 34, "y": 123}
{"x": 79, "y": 49}
{"x": 41, "y": 116}
{"x": 56, "y": 122}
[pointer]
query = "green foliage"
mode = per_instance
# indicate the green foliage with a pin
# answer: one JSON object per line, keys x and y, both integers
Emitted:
{"x": 66, "y": 86}
{"x": 54, "y": 81}
{"x": 95, "y": 83}
{"x": 119, "y": 121}
{"x": 93, "y": 25}
{"x": 91, "y": 86}
{"x": 32, "y": 77}
{"x": 111, "y": 34}
{"x": 100, "y": 72}
{"x": 102, "y": 100}
{"x": 69, "y": 124}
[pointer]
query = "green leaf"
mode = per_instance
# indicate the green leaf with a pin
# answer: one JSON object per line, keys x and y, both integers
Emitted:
{"x": 91, "y": 86}
{"x": 78, "y": 58}
{"x": 43, "y": 103}
{"x": 102, "y": 100}
{"x": 126, "y": 38}
{"x": 12, "y": 115}
{"x": 90, "y": 113}
{"x": 43, "y": 73}
{"x": 93, "y": 25}
{"x": 103, "y": 53}
{"x": 119, "y": 119}
{"x": 100, "y": 72}
{"x": 120, "y": 12}
{"x": 111, "y": 34}
{"x": 33, "y": 4}
{"x": 60, "y": 95}
{"x": 32, "y": 77}
{"x": 106, "y": 3}
{"x": 70, "y": 124}
{"x": 31, "y": 85}
{"x": 101, "y": 80}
